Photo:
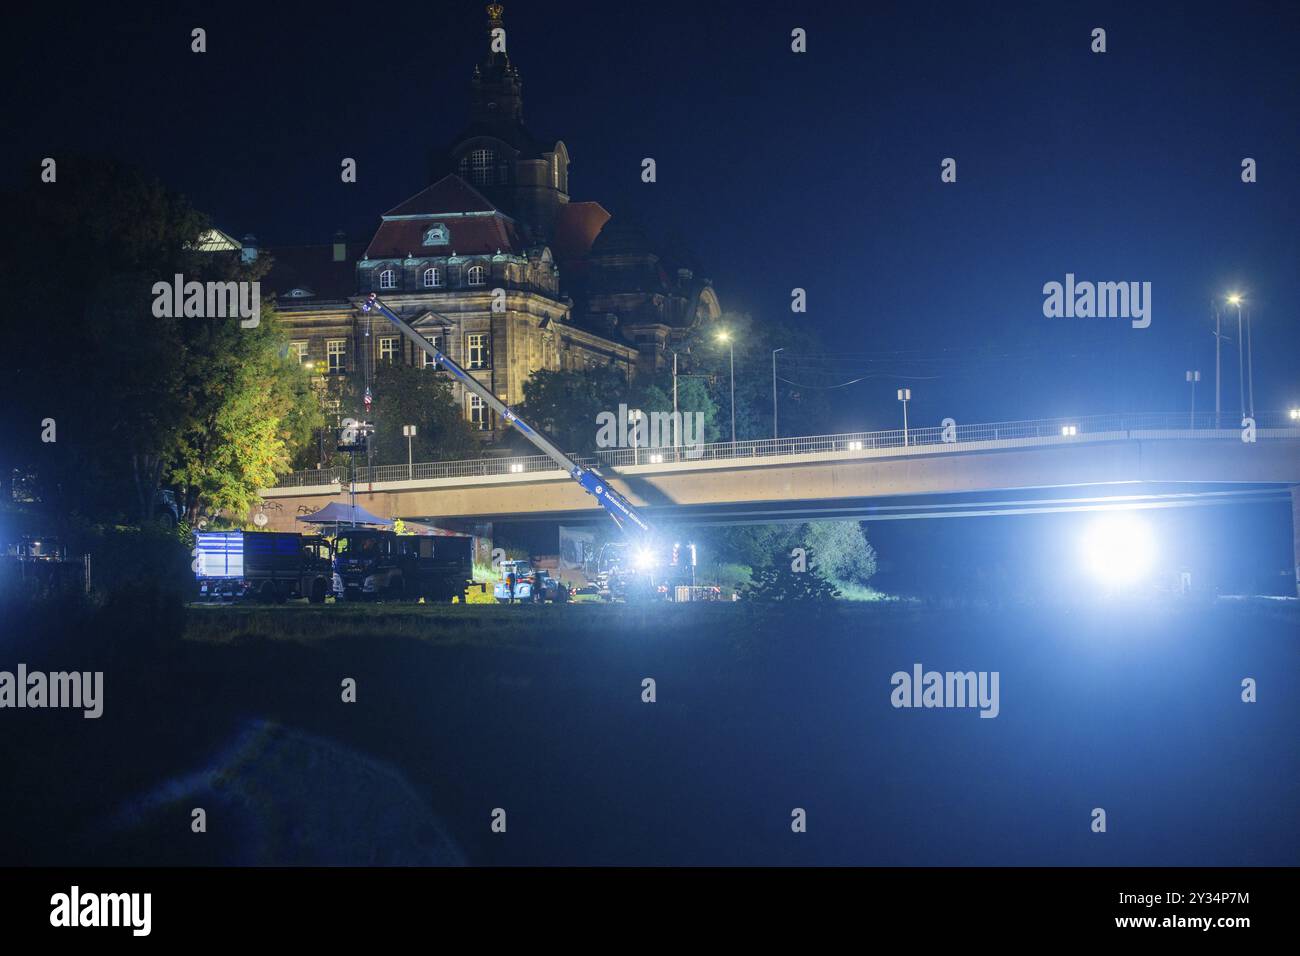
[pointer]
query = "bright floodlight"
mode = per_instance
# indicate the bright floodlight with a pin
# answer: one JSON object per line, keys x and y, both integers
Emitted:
{"x": 1295, "y": 414}
{"x": 1118, "y": 549}
{"x": 724, "y": 336}
{"x": 645, "y": 559}
{"x": 1234, "y": 299}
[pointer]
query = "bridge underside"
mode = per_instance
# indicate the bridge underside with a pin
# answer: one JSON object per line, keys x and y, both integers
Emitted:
{"x": 842, "y": 484}
{"x": 1023, "y": 501}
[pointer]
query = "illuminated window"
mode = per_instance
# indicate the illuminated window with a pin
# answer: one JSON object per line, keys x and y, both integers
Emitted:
{"x": 432, "y": 279}
{"x": 477, "y": 275}
{"x": 388, "y": 350}
{"x": 387, "y": 279}
{"x": 298, "y": 350}
{"x": 436, "y": 342}
{"x": 476, "y": 350}
{"x": 436, "y": 235}
{"x": 336, "y": 351}
{"x": 478, "y": 414}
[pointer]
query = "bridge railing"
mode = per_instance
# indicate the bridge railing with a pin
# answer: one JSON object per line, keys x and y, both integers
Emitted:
{"x": 1044, "y": 431}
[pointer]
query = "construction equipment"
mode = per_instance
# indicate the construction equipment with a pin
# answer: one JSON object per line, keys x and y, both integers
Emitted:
{"x": 592, "y": 482}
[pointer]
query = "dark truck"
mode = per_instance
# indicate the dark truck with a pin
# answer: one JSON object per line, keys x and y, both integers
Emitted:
{"x": 265, "y": 565}
{"x": 381, "y": 564}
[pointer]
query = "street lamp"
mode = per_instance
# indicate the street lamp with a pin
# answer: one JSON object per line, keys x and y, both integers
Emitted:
{"x": 1192, "y": 378}
{"x": 1250, "y": 370}
{"x": 725, "y": 337}
{"x": 408, "y": 432}
{"x": 634, "y": 416}
{"x": 904, "y": 396}
{"x": 1295, "y": 414}
{"x": 1234, "y": 298}
{"x": 774, "y": 351}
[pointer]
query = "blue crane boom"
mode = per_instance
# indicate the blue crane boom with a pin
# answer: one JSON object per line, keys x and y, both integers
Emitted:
{"x": 618, "y": 507}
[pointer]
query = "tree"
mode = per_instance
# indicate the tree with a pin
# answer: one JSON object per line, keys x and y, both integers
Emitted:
{"x": 135, "y": 398}
{"x": 693, "y": 398}
{"x": 846, "y": 555}
{"x": 756, "y": 545}
{"x": 781, "y": 584}
{"x": 406, "y": 395}
{"x": 249, "y": 407}
{"x": 803, "y": 410}
{"x": 565, "y": 404}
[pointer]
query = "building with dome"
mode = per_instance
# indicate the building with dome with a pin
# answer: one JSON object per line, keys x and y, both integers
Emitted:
{"x": 582, "y": 289}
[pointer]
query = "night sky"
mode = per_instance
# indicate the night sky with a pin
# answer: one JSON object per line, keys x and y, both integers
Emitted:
{"x": 818, "y": 170}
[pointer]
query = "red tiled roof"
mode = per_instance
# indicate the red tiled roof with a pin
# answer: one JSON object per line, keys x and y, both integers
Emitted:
{"x": 448, "y": 201}
{"x": 449, "y": 194}
{"x": 480, "y": 235}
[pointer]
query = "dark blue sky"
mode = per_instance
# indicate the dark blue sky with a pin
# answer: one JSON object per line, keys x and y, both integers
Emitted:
{"x": 818, "y": 170}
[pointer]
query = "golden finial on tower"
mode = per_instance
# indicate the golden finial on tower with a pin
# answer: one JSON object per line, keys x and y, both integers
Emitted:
{"x": 494, "y": 11}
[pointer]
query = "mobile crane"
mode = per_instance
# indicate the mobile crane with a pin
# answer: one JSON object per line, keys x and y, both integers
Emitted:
{"x": 619, "y": 508}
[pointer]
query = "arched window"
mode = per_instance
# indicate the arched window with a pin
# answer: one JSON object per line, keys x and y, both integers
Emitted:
{"x": 388, "y": 279}
{"x": 476, "y": 275}
{"x": 436, "y": 235}
{"x": 479, "y": 167}
{"x": 432, "y": 279}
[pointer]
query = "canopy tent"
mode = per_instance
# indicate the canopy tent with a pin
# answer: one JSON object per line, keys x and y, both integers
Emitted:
{"x": 337, "y": 513}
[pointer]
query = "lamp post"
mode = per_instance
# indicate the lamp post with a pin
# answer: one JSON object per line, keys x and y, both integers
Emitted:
{"x": 677, "y": 418}
{"x": 1218, "y": 341}
{"x": 774, "y": 351}
{"x": 408, "y": 432}
{"x": 634, "y": 416}
{"x": 904, "y": 396}
{"x": 725, "y": 337}
{"x": 1192, "y": 378}
{"x": 1235, "y": 299}
{"x": 1250, "y": 370}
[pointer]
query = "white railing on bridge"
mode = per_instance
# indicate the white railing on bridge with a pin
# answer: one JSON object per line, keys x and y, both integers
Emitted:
{"x": 1046, "y": 431}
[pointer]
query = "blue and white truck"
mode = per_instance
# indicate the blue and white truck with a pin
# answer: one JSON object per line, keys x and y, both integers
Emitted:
{"x": 262, "y": 565}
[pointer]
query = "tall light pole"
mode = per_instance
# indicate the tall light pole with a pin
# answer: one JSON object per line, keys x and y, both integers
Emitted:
{"x": 904, "y": 396}
{"x": 677, "y": 419}
{"x": 1235, "y": 299}
{"x": 725, "y": 337}
{"x": 634, "y": 416}
{"x": 408, "y": 432}
{"x": 1250, "y": 370}
{"x": 1218, "y": 339}
{"x": 1192, "y": 378}
{"x": 774, "y": 351}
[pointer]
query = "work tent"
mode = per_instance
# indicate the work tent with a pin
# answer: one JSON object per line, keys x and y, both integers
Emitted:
{"x": 339, "y": 514}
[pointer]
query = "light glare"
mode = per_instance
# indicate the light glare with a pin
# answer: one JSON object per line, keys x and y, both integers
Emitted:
{"x": 1118, "y": 550}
